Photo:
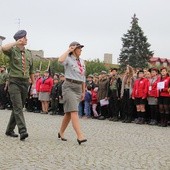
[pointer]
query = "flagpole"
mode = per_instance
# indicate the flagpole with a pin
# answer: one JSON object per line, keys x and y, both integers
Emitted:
{"x": 40, "y": 65}
{"x": 48, "y": 65}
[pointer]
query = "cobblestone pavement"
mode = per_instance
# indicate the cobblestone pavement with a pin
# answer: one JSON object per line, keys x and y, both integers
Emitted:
{"x": 110, "y": 146}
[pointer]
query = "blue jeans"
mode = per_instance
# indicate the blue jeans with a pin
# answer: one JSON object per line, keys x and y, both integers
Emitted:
{"x": 87, "y": 108}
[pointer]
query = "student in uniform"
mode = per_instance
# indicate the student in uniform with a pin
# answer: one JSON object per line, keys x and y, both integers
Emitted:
{"x": 153, "y": 96}
{"x": 139, "y": 94}
{"x": 164, "y": 96}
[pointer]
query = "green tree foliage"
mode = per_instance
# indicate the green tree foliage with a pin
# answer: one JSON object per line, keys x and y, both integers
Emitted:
{"x": 56, "y": 67}
{"x": 95, "y": 66}
{"x": 40, "y": 65}
{"x": 43, "y": 65}
{"x": 135, "y": 50}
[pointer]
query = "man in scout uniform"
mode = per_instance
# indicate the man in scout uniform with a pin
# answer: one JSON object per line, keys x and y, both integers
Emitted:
{"x": 21, "y": 68}
{"x": 3, "y": 87}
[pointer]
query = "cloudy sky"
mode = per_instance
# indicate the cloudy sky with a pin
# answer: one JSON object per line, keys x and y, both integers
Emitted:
{"x": 98, "y": 24}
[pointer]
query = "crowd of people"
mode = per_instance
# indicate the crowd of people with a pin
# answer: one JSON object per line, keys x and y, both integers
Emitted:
{"x": 45, "y": 95}
{"x": 141, "y": 96}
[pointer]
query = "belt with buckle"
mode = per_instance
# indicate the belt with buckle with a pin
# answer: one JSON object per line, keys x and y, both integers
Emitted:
{"x": 74, "y": 81}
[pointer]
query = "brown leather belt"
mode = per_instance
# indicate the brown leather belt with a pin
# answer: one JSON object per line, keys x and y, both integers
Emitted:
{"x": 74, "y": 81}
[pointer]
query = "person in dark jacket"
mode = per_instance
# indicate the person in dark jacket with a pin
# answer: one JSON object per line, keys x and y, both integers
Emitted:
{"x": 114, "y": 95}
{"x": 29, "y": 99}
{"x": 89, "y": 81}
{"x": 54, "y": 97}
{"x": 102, "y": 94}
{"x": 127, "y": 103}
{"x": 60, "y": 84}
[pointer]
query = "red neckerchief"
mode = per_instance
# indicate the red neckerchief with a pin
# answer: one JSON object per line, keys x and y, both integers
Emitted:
{"x": 80, "y": 66}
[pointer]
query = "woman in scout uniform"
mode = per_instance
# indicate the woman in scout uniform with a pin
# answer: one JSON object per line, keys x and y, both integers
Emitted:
{"x": 73, "y": 89}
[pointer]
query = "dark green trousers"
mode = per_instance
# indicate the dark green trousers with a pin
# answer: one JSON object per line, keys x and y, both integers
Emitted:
{"x": 18, "y": 90}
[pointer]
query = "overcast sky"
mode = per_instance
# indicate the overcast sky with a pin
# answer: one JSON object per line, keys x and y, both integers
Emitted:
{"x": 97, "y": 24}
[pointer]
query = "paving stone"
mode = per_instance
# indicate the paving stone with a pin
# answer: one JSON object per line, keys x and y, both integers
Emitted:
{"x": 110, "y": 146}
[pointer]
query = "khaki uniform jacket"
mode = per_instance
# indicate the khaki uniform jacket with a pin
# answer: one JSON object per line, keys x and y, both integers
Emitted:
{"x": 103, "y": 89}
{"x": 15, "y": 63}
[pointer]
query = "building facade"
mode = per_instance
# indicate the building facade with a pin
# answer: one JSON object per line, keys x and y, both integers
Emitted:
{"x": 159, "y": 62}
{"x": 37, "y": 54}
{"x": 108, "y": 58}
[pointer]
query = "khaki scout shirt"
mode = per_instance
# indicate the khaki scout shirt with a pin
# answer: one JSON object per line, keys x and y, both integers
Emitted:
{"x": 15, "y": 63}
{"x": 3, "y": 77}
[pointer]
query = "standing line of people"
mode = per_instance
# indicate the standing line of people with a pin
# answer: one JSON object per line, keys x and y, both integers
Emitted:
{"x": 140, "y": 96}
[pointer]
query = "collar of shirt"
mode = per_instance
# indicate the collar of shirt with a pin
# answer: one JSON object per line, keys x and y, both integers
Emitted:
{"x": 75, "y": 58}
{"x": 18, "y": 50}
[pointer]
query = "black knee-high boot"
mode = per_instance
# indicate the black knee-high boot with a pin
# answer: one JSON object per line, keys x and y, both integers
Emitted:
{"x": 139, "y": 117}
{"x": 162, "y": 115}
{"x": 165, "y": 124}
{"x": 143, "y": 117}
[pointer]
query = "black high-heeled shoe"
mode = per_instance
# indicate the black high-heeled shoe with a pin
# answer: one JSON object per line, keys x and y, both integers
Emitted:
{"x": 63, "y": 139}
{"x": 81, "y": 141}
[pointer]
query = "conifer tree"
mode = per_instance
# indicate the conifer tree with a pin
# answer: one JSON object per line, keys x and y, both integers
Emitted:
{"x": 135, "y": 48}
